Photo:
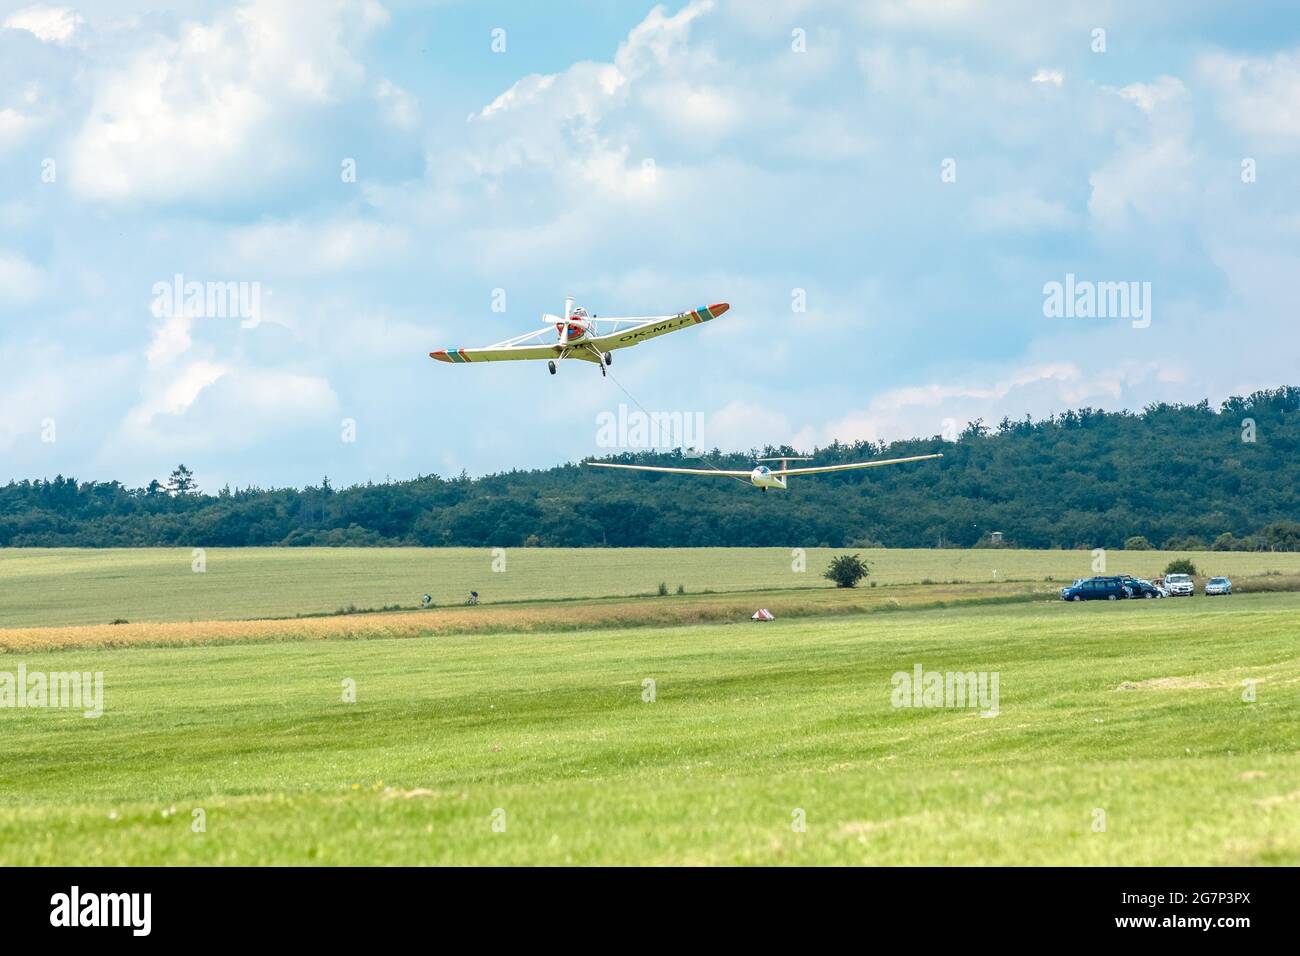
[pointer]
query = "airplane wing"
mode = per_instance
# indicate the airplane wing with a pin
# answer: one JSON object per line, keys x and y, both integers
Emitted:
{"x": 496, "y": 353}
{"x": 671, "y": 471}
{"x": 860, "y": 464}
{"x": 654, "y": 326}
{"x": 520, "y": 348}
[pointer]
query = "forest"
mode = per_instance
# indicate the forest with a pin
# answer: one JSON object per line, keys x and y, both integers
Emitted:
{"x": 1183, "y": 476}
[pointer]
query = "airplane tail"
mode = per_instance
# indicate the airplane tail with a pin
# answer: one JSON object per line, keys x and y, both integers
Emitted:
{"x": 783, "y": 459}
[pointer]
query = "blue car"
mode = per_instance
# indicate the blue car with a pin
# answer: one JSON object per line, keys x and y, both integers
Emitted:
{"x": 1095, "y": 589}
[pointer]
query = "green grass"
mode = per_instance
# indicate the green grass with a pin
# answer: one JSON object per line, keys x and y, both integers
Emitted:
{"x": 751, "y": 723}
{"x": 78, "y": 586}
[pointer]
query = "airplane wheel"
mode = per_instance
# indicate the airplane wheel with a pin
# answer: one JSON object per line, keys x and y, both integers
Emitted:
{"x": 551, "y": 365}
{"x": 609, "y": 358}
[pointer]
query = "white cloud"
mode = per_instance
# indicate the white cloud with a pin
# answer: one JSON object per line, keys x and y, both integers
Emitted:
{"x": 182, "y": 390}
{"x": 925, "y": 410}
{"x": 743, "y": 425}
{"x": 14, "y": 127}
{"x": 47, "y": 24}
{"x": 694, "y": 107}
{"x": 171, "y": 339}
{"x": 1020, "y": 211}
{"x": 46, "y": 383}
{"x": 20, "y": 281}
{"x": 211, "y": 406}
{"x": 1149, "y": 177}
{"x": 208, "y": 112}
{"x": 399, "y": 108}
{"x": 1050, "y": 77}
{"x": 555, "y": 122}
{"x": 304, "y": 247}
{"x": 1258, "y": 95}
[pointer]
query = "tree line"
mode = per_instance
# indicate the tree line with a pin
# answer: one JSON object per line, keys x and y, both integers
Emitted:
{"x": 1172, "y": 475}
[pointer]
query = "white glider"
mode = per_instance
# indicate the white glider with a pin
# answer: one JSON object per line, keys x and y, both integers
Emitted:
{"x": 762, "y": 476}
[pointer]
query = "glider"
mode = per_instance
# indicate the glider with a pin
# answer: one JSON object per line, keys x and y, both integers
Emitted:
{"x": 763, "y": 476}
{"x": 580, "y": 336}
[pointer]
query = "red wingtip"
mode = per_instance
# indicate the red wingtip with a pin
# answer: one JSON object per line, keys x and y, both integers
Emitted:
{"x": 441, "y": 355}
{"x": 717, "y": 310}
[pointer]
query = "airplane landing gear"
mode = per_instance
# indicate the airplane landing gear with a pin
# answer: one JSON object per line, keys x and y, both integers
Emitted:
{"x": 551, "y": 365}
{"x": 609, "y": 358}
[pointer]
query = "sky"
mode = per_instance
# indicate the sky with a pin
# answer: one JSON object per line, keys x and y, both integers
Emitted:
{"x": 886, "y": 193}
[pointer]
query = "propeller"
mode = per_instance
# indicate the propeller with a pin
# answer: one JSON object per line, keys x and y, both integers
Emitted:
{"x": 565, "y": 321}
{"x": 568, "y": 317}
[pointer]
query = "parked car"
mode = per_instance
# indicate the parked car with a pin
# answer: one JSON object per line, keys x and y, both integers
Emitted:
{"x": 1139, "y": 588}
{"x": 1077, "y": 582}
{"x": 1180, "y": 585}
{"x": 1217, "y": 586}
{"x": 1095, "y": 589}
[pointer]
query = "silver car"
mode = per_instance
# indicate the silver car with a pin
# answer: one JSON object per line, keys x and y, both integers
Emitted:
{"x": 1180, "y": 585}
{"x": 1217, "y": 586}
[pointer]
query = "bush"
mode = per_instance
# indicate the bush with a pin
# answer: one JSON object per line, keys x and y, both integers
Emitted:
{"x": 1181, "y": 566}
{"x": 1224, "y": 542}
{"x": 846, "y": 570}
{"x": 1137, "y": 543}
{"x": 681, "y": 589}
{"x": 663, "y": 588}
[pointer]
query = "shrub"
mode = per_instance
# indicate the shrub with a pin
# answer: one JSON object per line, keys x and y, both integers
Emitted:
{"x": 663, "y": 588}
{"x": 1137, "y": 543}
{"x": 1181, "y": 566}
{"x": 846, "y": 570}
{"x": 681, "y": 589}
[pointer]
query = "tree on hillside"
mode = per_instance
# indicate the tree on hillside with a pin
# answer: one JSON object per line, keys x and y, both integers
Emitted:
{"x": 1181, "y": 566}
{"x": 181, "y": 482}
{"x": 1081, "y": 477}
{"x": 1137, "y": 543}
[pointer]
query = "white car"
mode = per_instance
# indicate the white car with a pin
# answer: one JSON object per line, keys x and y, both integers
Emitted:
{"x": 1218, "y": 586}
{"x": 1180, "y": 585}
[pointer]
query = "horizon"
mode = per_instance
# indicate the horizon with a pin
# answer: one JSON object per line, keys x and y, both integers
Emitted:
{"x": 687, "y": 454}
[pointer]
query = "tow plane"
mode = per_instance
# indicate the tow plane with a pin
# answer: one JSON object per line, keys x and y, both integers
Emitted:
{"x": 763, "y": 476}
{"x": 577, "y": 335}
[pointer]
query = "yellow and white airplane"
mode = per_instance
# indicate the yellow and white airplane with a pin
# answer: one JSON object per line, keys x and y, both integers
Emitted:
{"x": 762, "y": 476}
{"x": 583, "y": 337}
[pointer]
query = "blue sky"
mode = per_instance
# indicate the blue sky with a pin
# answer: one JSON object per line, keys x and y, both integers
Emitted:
{"x": 645, "y": 159}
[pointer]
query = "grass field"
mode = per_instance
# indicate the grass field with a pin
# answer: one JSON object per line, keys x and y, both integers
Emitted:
{"x": 1133, "y": 710}
{"x": 43, "y": 587}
